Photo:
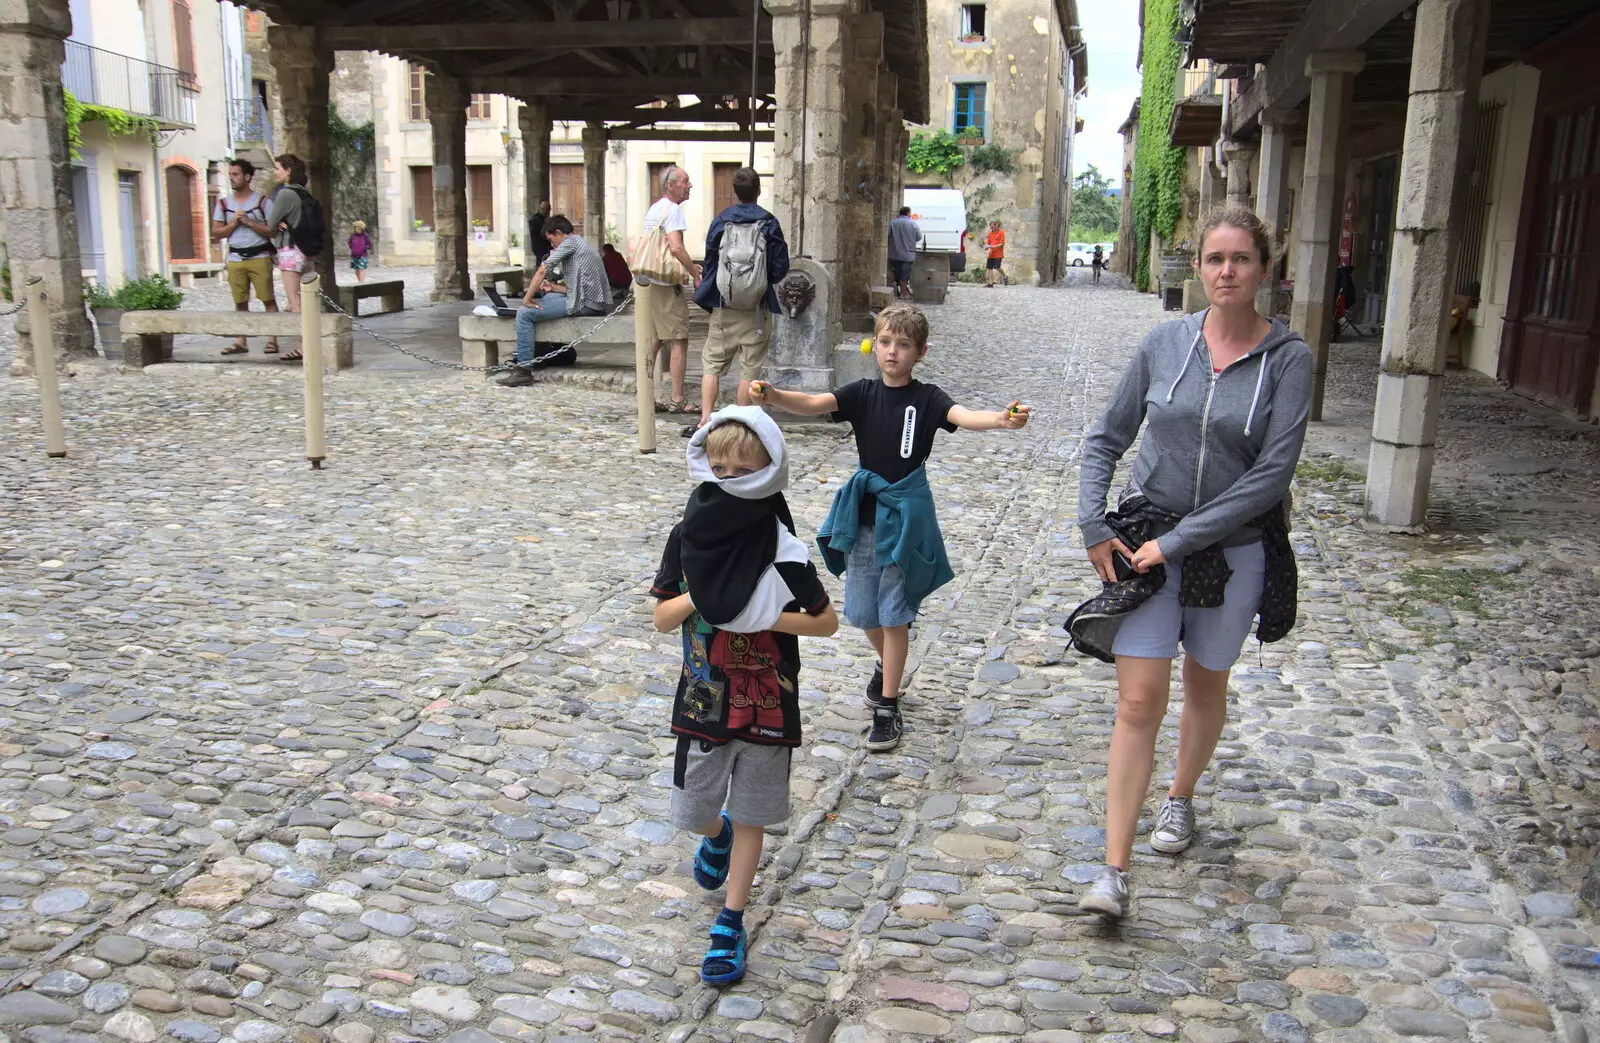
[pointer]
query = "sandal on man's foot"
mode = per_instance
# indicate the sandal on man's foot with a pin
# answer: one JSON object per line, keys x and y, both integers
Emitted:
{"x": 724, "y": 961}
{"x": 711, "y": 858}
{"x": 270, "y": 349}
{"x": 293, "y": 356}
{"x": 235, "y": 349}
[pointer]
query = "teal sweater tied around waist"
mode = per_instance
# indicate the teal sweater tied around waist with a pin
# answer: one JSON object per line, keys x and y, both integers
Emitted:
{"x": 905, "y": 530}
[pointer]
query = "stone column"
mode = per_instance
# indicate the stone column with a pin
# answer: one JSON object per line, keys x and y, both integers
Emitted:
{"x": 1272, "y": 200}
{"x": 888, "y": 161}
{"x": 1446, "y": 64}
{"x": 1238, "y": 158}
{"x": 35, "y": 178}
{"x": 594, "y": 186}
{"x": 533, "y": 119}
{"x": 1321, "y": 196}
{"x": 1208, "y": 183}
{"x": 303, "y": 63}
{"x": 447, "y": 113}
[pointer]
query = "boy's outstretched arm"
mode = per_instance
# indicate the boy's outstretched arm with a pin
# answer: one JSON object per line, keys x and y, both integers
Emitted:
{"x": 796, "y": 402}
{"x": 824, "y": 624}
{"x": 1010, "y": 418}
{"x": 671, "y": 612}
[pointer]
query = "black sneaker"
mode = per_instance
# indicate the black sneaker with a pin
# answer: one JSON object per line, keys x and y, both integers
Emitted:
{"x": 885, "y": 734}
{"x": 875, "y": 687}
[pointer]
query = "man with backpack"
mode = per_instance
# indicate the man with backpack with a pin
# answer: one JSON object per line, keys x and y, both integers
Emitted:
{"x": 240, "y": 217}
{"x": 746, "y": 256}
{"x": 297, "y": 224}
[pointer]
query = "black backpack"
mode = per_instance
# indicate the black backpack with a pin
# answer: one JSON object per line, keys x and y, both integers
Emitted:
{"x": 309, "y": 234}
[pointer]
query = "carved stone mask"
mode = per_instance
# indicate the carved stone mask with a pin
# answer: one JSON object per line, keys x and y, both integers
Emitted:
{"x": 796, "y": 291}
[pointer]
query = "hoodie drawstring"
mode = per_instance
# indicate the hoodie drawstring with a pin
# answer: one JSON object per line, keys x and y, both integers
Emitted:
{"x": 1188, "y": 358}
{"x": 1260, "y": 377}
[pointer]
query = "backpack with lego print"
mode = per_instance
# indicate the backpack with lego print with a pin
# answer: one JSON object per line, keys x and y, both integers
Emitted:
{"x": 309, "y": 234}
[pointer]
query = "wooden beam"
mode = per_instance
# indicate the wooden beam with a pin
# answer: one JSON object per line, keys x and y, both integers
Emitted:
{"x": 686, "y": 134}
{"x": 367, "y": 10}
{"x": 1327, "y": 25}
{"x": 579, "y": 110}
{"x": 601, "y": 85}
{"x": 541, "y": 36}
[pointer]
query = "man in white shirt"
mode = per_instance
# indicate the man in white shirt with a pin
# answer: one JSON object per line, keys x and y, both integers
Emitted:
{"x": 664, "y": 307}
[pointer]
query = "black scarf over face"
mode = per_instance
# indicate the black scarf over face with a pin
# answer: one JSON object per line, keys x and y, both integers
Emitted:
{"x": 725, "y": 545}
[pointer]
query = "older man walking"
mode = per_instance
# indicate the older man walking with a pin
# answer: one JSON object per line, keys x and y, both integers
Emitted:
{"x": 662, "y": 306}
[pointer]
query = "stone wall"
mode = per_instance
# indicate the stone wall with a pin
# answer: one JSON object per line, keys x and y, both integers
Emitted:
{"x": 355, "y": 184}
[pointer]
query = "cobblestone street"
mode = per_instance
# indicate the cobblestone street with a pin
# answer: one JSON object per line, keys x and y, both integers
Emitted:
{"x": 380, "y": 753}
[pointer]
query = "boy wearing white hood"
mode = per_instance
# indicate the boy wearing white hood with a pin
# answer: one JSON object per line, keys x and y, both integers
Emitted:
{"x": 743, "y": 589}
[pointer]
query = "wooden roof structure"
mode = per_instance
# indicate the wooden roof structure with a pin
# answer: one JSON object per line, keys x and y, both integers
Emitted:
{"x": 626, "y": 63}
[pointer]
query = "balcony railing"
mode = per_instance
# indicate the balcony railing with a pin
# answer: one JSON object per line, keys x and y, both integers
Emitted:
{"x": 247, "y": 121}
{"x": 1199, "y": 82}
{"x": 98, "y": 77}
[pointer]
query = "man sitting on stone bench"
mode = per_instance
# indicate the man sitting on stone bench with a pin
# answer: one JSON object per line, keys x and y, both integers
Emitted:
{"x": 583, "y": 291}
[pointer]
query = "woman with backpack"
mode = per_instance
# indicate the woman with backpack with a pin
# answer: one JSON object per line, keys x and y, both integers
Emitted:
{"x": 296, "y": 220}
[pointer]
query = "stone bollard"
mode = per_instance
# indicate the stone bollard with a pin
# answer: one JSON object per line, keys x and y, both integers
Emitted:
{"x": 44, "y": 367}
{"x": 311, "y": 348}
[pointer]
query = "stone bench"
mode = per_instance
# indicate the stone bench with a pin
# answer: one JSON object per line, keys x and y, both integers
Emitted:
{"x": 186, "y": 274}
{"x": 147, "y": 335}
{"x": 391, "y": 296}
{"x": 483, "y": 336}
{"x": 516, "y": 280}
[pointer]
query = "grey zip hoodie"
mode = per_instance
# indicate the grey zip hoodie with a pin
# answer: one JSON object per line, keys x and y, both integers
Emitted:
{"x": 1219, "y": 449}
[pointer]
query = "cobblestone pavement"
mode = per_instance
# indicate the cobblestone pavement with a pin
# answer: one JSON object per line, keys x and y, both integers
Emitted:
{"x": 379, "y": 752}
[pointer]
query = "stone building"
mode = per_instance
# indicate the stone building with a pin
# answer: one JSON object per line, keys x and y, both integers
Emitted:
{"x": 1008, "y": 74}
{"x": 1122, "y": 258}
{"x": 1441, "y": 150}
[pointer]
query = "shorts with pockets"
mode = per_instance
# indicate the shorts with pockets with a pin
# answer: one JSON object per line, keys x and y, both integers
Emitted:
{"x": 1212, "y": 637}
{"x": 874, "y": 595}
{"x": 251, "y": 273}
{"x": 290, "y": 259}
{"x": 741, "y": 334}
{"x": 902, "y": 270}
{"x": 661, "y": 312}
{"x": 748, "y": 779}
{"x": 995, "y": 263}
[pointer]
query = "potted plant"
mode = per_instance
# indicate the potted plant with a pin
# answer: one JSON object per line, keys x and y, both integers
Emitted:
{"x": 107, "y": 317}
{"x": 153, "y": 293}
{"x": 970, "y": 136}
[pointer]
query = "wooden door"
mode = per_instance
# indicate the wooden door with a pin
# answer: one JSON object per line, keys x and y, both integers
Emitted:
{"x": 722, "y": 187}
{"x": 1551, "y": 343}
{"x": 180, "y": 214}
{"x": 566, "y": 193}
{"x": 655, "y": 172}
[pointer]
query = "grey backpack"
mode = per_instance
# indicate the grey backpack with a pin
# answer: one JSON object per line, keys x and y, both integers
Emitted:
{"x": 742, "y": 266}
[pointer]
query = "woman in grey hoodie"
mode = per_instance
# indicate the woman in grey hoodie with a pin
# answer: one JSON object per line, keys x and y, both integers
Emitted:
{"x": 1223, "y": 398}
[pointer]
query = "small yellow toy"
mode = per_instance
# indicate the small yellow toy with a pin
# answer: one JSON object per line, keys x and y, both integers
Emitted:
{"x": 758, "y": 386}
{"x": 866, "y": 346}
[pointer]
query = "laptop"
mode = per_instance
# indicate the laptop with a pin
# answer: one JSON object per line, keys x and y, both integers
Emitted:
{"x": 501, "y": 308}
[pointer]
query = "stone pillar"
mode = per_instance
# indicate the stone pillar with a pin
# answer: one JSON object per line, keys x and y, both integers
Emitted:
{"x": 303, "y": 63}
{"x": 1238, "y": 158}
{"x": 887, "y": 160}
{"x": 1317, "y": 224}
{"x": 35, "y": 179}
{"x": 447, "y": 113}
{"x": 533, "y": 119}
{"x": 594, "y": 186}
{"x": 1446, "y": 64}
{"x": 1272, "y": 200}
{"x": 1208, "y": 183}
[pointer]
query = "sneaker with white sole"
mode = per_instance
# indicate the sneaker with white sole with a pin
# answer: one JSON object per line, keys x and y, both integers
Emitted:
{"x": 1108, "y": 895}
{"x": 886, "y": 726}
{"x": 1174, "y": 826}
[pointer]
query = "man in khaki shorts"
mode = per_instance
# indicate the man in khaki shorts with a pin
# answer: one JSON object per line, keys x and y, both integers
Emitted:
{"x": 240, "y": 218}
{"x": 662, "y": 307}
{"x": 746, "y": 256}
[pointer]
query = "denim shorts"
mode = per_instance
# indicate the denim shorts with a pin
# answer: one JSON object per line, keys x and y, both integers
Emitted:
{"x": 1212, "y": 637}
{"x": 874, "y": 595}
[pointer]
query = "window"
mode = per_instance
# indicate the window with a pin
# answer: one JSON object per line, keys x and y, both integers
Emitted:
{"x": 422, "y": 199}
{"x": 480, "y": 198}
{"x": 973, "y": 21}
{"x": 183, "y": 39}
{"x": 971, "y": 110}
{"x": 418, "y": 96}
{"x": 478, "y": 107}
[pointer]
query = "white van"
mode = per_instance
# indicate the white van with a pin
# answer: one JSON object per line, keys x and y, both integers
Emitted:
{"x": 941, "y": 213}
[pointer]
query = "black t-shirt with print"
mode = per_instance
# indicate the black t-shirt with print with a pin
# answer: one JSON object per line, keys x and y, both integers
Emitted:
{"x": 894, "y": 427}
{"x": 739, "y": 686}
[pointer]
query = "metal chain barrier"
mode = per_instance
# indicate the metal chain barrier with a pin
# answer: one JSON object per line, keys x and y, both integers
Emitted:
{"x": 462, "y": 367}
{"x": 12, "y": 309}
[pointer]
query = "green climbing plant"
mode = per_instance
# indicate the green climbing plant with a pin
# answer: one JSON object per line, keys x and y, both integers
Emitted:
{"x": 119, "y": 123}
{"x": 937, "y": 152}
{"x": 995, "y": 159}
{"x": 1158, "y": 168}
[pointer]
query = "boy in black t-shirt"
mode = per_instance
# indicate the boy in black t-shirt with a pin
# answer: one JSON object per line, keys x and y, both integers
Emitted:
{"x": 743, "y": 590}
{"x": 882, "y": 530}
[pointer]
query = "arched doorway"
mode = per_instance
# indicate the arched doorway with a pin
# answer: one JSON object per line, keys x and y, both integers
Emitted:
{"x": 180, "y": 214}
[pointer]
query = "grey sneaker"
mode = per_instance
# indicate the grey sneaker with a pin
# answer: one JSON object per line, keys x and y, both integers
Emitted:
{"x": 1109, "y": 894}
{"x": 1174, "y": 826}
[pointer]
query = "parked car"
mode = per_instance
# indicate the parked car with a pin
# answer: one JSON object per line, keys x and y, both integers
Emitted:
{"x": 1080, "y": 255}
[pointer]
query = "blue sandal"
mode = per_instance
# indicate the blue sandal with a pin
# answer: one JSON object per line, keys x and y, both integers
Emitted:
{"x": 724, "y": 966}
{"x": 707, "y": 873}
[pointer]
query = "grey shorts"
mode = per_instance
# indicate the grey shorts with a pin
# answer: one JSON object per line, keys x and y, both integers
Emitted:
{"x": 874, "y": 595}
{"x": 750, "y": 780}
{"x": 1212, "y": 637}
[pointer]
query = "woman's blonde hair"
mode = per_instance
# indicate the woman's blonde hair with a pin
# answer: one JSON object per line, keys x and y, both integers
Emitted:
{"x": 358, "y": 226}
{"x": 735, "y": 439}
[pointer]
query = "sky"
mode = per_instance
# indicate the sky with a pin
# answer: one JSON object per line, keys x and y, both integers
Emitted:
{"x": 1111, "y": 30}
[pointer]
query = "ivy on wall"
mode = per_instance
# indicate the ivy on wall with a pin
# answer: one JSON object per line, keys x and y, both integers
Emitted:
{"x": 1158, "y": 168}
{"x": 119, "y": 123}
{"x": 937, "y": 152}
{"x": 352, "y": 153}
